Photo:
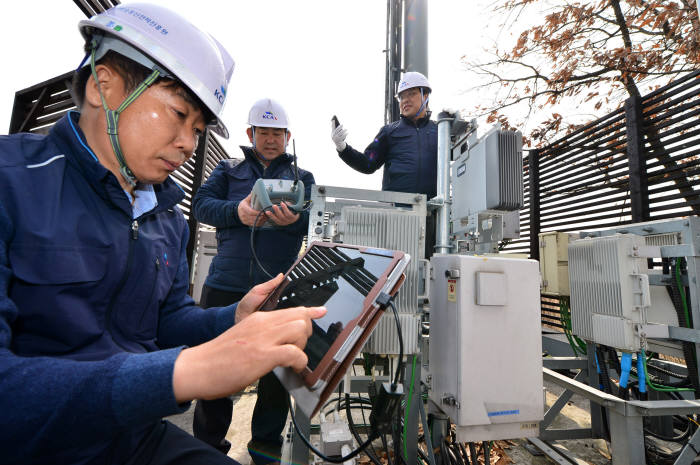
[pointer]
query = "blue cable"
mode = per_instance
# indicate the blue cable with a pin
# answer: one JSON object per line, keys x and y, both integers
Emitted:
{"x": 641, "y": 375}
{"x": 625, "y": 367}
{"x": 597, "y": 368}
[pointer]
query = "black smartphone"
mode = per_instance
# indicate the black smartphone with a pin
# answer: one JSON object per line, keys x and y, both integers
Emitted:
{"x": 336, "y": 123}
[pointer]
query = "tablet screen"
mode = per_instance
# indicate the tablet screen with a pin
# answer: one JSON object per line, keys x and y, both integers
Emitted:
{"x": 338, "y": 278}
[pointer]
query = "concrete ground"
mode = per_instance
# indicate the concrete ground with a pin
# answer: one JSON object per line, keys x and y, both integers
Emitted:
{"x": 575, "y": 414}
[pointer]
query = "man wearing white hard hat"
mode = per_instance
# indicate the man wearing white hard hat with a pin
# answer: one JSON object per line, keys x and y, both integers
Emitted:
{"x": 224, "y": 201}
{"x": 407, "y": 148}
{"x": 98, "y": 337}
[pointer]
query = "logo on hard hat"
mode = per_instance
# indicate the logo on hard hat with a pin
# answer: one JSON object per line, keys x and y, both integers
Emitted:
{"x": 220, "y": 94}
{"x": 269, "y": 115}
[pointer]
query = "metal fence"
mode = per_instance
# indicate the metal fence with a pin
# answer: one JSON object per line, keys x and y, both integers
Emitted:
{"x": 637, "y": 163}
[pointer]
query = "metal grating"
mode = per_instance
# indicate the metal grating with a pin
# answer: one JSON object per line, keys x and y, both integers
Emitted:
{"x": 551, "y": 311}
{"x": 659, "y": 240}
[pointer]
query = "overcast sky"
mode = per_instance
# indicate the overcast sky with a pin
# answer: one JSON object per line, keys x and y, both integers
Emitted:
{"x": 317, "y": 57}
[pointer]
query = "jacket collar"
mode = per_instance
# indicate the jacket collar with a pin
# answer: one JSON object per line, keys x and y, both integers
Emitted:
{"x": 250, "y": 155}
{"x": 420, "y": 122}
{"x": 72, "y": 141}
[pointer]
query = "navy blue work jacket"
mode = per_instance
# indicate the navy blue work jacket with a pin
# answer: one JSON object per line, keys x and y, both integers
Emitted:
{"x": 408, "y": 152}
{"x": 216, "y": 204}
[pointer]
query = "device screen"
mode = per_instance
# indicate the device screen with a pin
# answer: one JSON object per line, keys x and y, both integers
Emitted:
{"x": 338, "y": 278}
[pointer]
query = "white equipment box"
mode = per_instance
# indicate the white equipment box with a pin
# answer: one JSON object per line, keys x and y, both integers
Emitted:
{"x": 485, "y": 345}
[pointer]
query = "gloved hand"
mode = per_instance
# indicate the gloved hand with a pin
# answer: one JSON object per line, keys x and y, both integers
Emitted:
{"x": 338, "y": 135}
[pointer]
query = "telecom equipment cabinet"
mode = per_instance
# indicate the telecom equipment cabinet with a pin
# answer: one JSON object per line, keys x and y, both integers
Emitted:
{"x": 486, "y": 348}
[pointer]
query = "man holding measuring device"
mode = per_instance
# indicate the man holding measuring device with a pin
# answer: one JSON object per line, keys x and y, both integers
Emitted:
{"x": 258, "y": 197}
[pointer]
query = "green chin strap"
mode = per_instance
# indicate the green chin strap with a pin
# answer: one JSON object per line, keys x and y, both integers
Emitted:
{"x": 113, "y": 115}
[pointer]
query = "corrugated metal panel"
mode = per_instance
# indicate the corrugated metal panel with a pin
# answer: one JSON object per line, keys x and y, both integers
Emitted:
{"x": 388, "y": 229}
{"x": 206, "y": 249}
{"x": 510, "y": 166}
{"x": 396, "y": 230}
{"x": 384, "y": 339}
{"x": 605, "y": 296}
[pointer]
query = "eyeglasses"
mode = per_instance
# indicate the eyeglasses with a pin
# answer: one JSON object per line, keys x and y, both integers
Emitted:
{"x": 408, "y": 94}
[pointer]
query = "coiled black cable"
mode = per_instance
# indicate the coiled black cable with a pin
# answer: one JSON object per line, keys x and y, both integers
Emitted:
{"x": 370, "y": 452}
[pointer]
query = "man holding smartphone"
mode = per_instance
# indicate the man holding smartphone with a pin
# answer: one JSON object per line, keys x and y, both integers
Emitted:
{"x": 407, "y": 149}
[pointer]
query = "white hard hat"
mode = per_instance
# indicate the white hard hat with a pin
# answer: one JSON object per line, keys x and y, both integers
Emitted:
{"x": 267, "y": 113}
{"x": 413, "y": 79}
{"x": 150, "y": 33}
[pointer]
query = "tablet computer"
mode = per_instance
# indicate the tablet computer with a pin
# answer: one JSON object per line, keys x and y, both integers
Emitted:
{"x": 347, "y": 280}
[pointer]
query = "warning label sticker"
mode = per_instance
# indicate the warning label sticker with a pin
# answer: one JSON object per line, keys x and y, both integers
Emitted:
{"x": 452, "y": 290}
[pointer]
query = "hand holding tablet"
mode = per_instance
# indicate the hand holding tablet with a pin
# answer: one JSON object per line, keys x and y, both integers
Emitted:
{"x": 347, "y": 280}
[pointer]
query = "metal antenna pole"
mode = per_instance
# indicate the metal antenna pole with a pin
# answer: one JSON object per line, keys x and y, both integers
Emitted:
{"x": 444, "y": 122}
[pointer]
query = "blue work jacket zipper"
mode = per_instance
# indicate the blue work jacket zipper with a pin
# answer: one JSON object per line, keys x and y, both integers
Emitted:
{"x": 419, "y": 154}
{"x": 134, "y": 235}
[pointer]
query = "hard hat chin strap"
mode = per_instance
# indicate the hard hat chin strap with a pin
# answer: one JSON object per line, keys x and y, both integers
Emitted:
{"x": 423, "y": 104}
{"x": 113, "y": 115}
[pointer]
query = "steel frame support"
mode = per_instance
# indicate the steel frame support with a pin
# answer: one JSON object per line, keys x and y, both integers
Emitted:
{"x": 626, "y": 420}
{"x": 626, "y": 438}
{"x": 300, "y": 453}
{"x": 690, "y": 451}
